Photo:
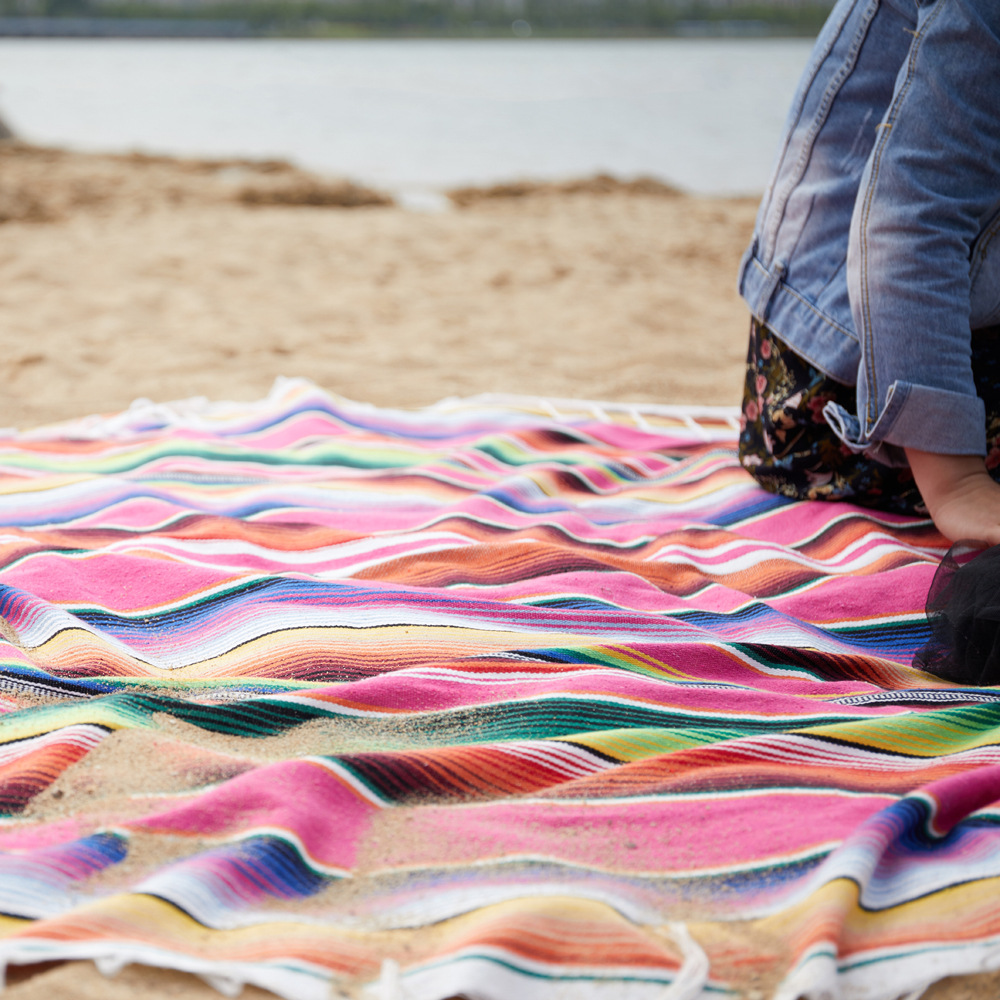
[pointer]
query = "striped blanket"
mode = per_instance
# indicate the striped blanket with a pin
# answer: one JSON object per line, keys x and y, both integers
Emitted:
{"x": 498, "y": 698}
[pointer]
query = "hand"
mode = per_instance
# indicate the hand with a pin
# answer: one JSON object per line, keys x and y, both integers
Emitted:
{"x": 960, "y": 494}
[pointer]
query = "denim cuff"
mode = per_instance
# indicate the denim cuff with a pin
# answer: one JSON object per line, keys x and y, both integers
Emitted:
{"x": 915, "y": 416}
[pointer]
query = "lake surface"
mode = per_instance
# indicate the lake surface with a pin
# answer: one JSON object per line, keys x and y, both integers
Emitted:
{"x": 704, "y": 114}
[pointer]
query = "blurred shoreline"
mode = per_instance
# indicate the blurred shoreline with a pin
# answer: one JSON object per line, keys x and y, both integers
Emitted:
{"x": 519, "y": 19}
{"x": 19, "y": 26}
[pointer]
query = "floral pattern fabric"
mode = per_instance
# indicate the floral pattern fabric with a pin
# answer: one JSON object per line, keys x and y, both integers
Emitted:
{"x": 788, "y": 447}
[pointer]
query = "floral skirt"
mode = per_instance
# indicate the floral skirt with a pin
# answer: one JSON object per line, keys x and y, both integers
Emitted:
{"x": 790, "y": 449}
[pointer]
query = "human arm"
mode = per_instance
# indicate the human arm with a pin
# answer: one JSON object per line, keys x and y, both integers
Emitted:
{"x": 960, "y": 494}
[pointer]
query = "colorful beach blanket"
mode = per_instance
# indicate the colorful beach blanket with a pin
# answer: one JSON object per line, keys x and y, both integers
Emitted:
{"x": 500, "y": 698}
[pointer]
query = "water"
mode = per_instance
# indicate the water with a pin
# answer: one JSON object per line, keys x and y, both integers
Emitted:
{"x": 704, "y": 114}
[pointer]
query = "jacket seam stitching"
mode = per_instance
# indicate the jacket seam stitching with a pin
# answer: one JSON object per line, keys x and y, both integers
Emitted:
{"x": 885, "y": 129}
{"x": 777, "y": 210}
{"x": 819, "y": 312}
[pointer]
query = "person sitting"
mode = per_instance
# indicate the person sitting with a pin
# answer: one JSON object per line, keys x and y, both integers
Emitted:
{"x": 873, "y": 276}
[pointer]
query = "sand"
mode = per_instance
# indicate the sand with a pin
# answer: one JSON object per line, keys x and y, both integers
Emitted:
{"x": 133, "y": 276}
{"x": 123, "y": 277}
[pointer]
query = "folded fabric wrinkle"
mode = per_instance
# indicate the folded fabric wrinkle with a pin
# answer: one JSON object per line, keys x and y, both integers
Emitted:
{"x": 500, "y": 698}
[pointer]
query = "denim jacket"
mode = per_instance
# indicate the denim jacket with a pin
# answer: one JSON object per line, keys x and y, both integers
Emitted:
{"x": 876, "y": 249}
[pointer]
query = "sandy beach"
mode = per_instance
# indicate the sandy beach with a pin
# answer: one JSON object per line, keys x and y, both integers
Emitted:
{"x": 125, "y": 277}
{"x": 131, "y": 276}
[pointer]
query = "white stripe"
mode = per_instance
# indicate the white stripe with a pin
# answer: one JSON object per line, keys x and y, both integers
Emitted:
{"x": 77, "y": 734}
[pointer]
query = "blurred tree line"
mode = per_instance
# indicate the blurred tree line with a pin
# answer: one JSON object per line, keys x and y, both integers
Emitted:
{"x": 463, "y": 18}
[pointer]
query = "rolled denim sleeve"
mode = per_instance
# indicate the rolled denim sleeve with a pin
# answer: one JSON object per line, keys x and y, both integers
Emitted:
{"x": 929, "y": 188}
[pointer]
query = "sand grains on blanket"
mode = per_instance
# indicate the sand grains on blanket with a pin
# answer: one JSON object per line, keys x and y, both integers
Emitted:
{"x": 486, "y": 698}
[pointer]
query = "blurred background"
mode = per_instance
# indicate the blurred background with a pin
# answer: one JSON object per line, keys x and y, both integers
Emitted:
{"x": 417, "y": 93}
{"x": 555, "y": 195}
